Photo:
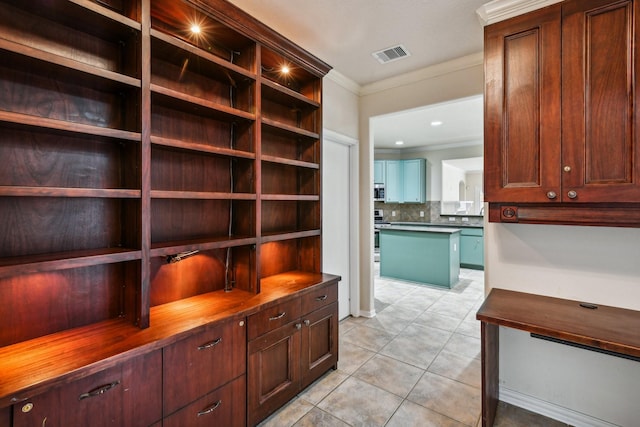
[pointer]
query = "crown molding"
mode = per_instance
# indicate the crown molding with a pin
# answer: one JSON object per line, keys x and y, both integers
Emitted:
{"x": 344, "y": 81}
{"x": 447, "y": 67}
{"x": 499, "y": 10}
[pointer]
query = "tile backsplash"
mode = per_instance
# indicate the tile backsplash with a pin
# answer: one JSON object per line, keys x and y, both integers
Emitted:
{"x": 410, "y": 212}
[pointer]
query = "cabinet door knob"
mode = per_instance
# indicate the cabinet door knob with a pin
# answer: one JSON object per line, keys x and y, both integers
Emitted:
{"x": 572, "y": 194}
{"x": 551, "y": 195}
{"x": 307, "y": 322}
{"x": 298, "y": 326}
{"x": 567, "y": 168}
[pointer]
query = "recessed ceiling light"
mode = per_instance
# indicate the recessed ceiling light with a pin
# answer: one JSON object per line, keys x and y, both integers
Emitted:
{"x": 195, "y": 29}
{"x": 399, "y": 142}
{"x": 285, "y": 69}
{"x": 436, "y": 123}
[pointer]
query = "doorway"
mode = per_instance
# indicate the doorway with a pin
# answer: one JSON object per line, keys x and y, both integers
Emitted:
{"x": 339, "y": 217}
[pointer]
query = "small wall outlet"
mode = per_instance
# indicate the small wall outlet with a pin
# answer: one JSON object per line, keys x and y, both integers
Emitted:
{"x": 465, "y": 219}
{"x": 393, "y": 213}
{"x": 421, "y": 214}
{"x": 452, "y": 219}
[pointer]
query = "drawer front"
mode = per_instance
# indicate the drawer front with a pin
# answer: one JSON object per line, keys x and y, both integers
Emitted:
{"x": 321, "y": 297}
{"x": 225, "y": 406}
{"x": 471, "y": 232}
{"x": 272, "y": 318}
{"x": 128, "y": 395}
{"x": 199, "y": 364}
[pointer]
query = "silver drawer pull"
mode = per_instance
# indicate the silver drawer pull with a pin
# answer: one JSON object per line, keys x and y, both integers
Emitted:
{"x": 210, "y": 344}
{"x": 279, "y": 316}
{"x": 98, "y": 390}
{"x": 322, "y": 298}
{"x": 210, "y": 409}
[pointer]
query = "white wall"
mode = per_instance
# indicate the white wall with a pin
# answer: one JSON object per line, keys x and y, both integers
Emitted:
{"x": 594, "y": 264}
{"x": 340, "y": 106}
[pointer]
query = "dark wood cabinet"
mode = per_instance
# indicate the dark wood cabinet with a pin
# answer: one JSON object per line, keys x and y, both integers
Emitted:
{"x": 128, "y": 394}
{"x": 561, "y": 113}
{"x": 203, "y": 362}
{"x": 164, "y": 185}
{"x": 291, "y": 345}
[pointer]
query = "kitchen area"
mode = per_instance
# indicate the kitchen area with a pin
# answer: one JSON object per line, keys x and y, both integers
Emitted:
{"x": 428, "y": 203}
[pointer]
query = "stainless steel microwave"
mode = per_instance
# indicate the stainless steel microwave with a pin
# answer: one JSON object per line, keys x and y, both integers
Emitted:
{"x": 378, "y": 192}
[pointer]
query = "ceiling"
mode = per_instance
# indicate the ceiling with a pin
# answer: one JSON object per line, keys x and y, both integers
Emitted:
{"x": 345, "y": 33}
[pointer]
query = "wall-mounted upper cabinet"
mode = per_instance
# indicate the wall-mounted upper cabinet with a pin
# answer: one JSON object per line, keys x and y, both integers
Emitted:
{"x": 405, "y": 180}
{"x": 561, "y": 111}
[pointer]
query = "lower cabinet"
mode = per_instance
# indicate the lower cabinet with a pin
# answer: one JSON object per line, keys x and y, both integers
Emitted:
{"x": 127, "y": 395}
{"x": 472, "y": 248}
{"x": 286, "y": 358}
{"x": 203, "y": 362}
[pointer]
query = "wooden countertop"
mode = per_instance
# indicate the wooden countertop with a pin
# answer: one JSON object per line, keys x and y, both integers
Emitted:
{"x": 598, "y": 326}
{"x": 33, "y": 366}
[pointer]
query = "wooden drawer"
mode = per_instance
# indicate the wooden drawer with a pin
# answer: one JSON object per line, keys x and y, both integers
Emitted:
{"x": 128, "y": 395}
{"x": 319, "y": 298}
{"x": 222, "y": 407}
{"x": 199, "y": 364}
{"x": 273, "y": 317}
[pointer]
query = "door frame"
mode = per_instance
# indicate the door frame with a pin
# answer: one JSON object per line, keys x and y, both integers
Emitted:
{"x": 354, "y": 234}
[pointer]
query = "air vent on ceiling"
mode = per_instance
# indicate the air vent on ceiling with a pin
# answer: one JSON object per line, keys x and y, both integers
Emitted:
{"x": 391, "y": 54}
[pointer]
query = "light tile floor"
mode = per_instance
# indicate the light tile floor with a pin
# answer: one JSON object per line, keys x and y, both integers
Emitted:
{"x": 417, "y": 363}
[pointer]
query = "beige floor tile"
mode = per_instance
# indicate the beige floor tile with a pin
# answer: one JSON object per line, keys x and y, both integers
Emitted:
{"x": 512, "y": 416}
{"x": 369, "y": 338}
{"x": 465, "y": 369}
{"x": 322, "y": 387}
{"x": 319, "y": 418}
{"x": 448, "y": 397}
{"x": 449, "y": 308}
{"x": 351, "y": 357}
{"x": 412, "y": 415}
{"x": 289, "y": 414}
{"x": 470, "y": 328}
{"x": 417, "y": 345}
{"x": 361, "y": 404}
{"x": 389, "y": 374}
{"x": 464, "y": 345}
{"x": 435, "y": 320}
{"x": 386, "y": 321}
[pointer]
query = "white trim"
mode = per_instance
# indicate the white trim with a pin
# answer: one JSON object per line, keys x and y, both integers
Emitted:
{"x": 447, "y": 67}
{"x": 368, "y": 314}
{"x": 499, "y": 10}
{"x": 551, "y": 410}
{"x": 354, "y": 234}
{"x": 344, "y": 81}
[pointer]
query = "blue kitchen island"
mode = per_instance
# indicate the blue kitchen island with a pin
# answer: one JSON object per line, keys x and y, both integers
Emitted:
{"x": 429, "y": 255}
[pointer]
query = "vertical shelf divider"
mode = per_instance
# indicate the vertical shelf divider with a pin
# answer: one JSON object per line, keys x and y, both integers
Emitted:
{"x": 143, "y": 297}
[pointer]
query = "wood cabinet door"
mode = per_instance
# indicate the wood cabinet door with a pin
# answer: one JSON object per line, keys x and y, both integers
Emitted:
{"x": 600, "y": 90}
{"x": 522, "y": 108}
{"x": 273, "y": 376}
{"x": 128, "y": 395}
{"x": 197, "y": 365}
{"x": 319, "y": 343}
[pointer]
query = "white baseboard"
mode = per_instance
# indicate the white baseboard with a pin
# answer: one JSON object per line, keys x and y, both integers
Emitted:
{"x": 551, "y": 410}
{"x": 366, "y": 313}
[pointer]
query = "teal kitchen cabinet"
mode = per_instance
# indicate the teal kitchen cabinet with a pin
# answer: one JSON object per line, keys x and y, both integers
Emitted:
{"x": 472, "y": 248}
{"x": 429, "y": 255}
{"x": 379, "y": 172}
{"x": 405, "y": 180}
{"x": 413, "y": 180}
{"x": 393, "y": 184}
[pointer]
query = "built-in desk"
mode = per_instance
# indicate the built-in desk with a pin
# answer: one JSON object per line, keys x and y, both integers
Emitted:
{"x": 597, "y": 327}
